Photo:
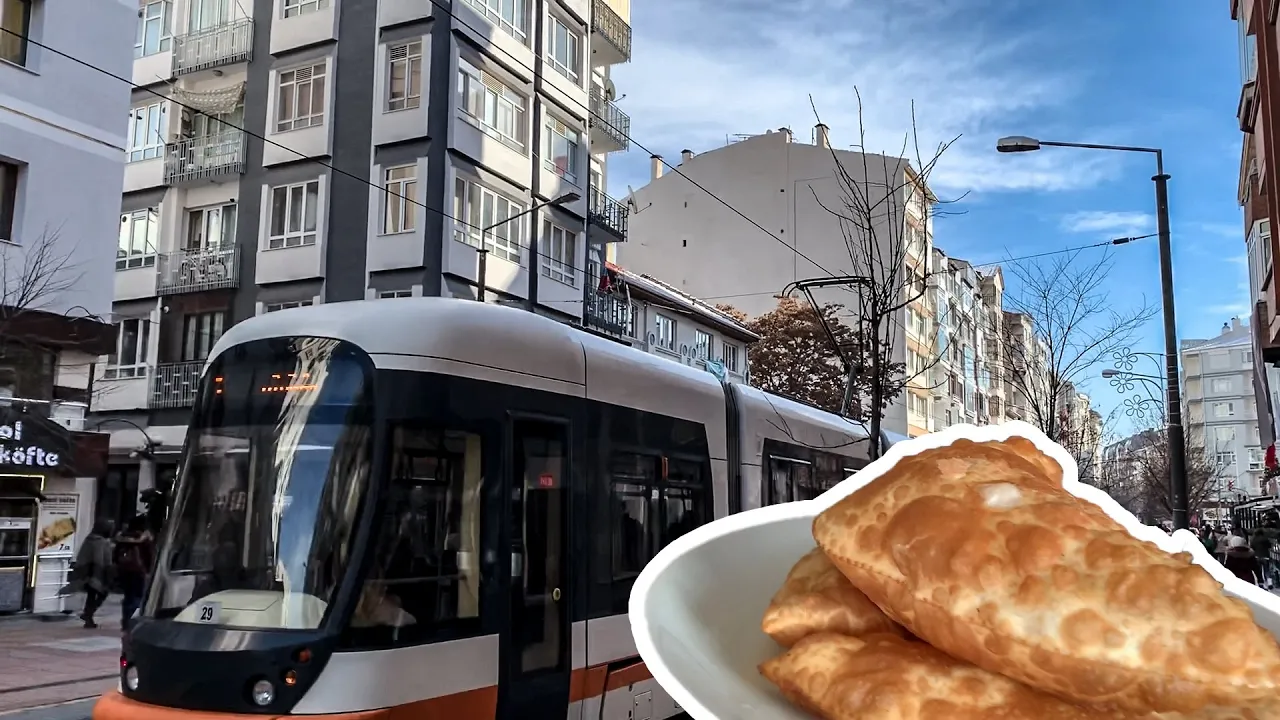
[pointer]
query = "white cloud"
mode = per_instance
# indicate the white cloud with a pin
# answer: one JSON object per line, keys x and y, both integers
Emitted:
{"x": 702, "y": 71}
{"x": 1112, "y": 224}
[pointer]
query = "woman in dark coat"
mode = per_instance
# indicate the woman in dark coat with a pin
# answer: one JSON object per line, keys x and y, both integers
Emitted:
{"x": 94, "y": 569}
{"x": 135, "y": 555}
{"x": 1242, "y": 561}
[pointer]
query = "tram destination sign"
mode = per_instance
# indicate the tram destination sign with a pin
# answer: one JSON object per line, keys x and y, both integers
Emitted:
{"x": 32, "y": 442}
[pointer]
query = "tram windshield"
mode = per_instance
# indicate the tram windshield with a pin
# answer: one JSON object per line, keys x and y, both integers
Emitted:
{"x": 277, "y": 460}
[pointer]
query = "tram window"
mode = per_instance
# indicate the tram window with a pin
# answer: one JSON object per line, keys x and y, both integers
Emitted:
{"x": 632, "y": 478}
{"x": 425, "y": 577}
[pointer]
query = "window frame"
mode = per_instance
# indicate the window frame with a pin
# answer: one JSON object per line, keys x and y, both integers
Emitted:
{"x": 472, "y": 80}
{"x": 305, "y": 237}
{"x": 286, "y": 305}
{"x": 10, "y": 178}
{"x": 301, "y": 7}
{"x": 319, "y": 71}
{"x": 164, "y": 42}
{"x": 22, "y": 42}
{"x": 470, "y": 221}
{"x": 703, "y": 350}
{"x": 560, "y": 247}
{"x": 200, "y": 332}
{"x": 411, "y": 62}
{"x": 141, "y": 120}
{"x": 394, "y": 294}
{"x": 399, "y": 205}
{"x": 517, "y": 26}
{"x": 669, "y": 343}
{"x": 729, "y": 356}
{"x": 572, "y": 70}
{"x": 126, "y": 257}
{"x": 1230, "y": 406}
{"x": 555, "y": 129}
{"x": 113, "y": 369}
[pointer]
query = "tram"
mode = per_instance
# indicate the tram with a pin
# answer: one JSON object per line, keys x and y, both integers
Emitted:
{"x": 435, "y": 508}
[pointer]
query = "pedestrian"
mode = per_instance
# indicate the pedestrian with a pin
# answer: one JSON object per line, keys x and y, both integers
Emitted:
{"x": 1260, "y": 543}
{"x": 1210, "y": 541}
{"x": 93, "y": 570}
{"x": 1241, "y": 560}
{"x": 134, "y": 557}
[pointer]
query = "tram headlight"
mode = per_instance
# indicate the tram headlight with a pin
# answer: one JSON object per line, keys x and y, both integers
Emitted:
{"x": 131, "y": 678}
{"x": 264, "y": 693}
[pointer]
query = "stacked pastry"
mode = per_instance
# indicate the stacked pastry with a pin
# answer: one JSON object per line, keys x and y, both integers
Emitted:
{"x": 966, "y": 583}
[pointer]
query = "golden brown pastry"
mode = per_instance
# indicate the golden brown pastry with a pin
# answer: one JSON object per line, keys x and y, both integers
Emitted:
{"x": 55, "y": 532}
{"x": 817, "y": 598}
{"x": 885, "y": 677}
{"x": 976, "y": 551}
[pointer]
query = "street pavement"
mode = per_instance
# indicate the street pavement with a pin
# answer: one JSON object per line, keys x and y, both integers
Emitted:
{"x": 54, "y": 669}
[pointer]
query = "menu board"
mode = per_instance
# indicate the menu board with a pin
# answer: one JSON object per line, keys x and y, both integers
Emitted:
{"x": 57, "y": 534}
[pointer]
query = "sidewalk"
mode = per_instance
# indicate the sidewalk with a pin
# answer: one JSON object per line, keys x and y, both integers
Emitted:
{"x": 53, "y": 661}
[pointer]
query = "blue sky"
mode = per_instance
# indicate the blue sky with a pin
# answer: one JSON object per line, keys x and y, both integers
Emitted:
{"x": 1161, "y": 73}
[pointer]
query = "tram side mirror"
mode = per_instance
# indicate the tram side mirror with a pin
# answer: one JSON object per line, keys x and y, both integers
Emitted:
{"x": 517, "y": 564}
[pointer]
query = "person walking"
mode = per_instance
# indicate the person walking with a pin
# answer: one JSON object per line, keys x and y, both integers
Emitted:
{"x": 1260, "y": 543}
{"x": 94, "y": 569}
{"x": 1241, "y": 560}
{"x": 134, "y": 557}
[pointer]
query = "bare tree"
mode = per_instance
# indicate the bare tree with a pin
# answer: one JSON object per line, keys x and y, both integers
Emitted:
{"x": 884, "y": 211}
{"x": 1059, "y": 324}
{"x": 32, "y": 276}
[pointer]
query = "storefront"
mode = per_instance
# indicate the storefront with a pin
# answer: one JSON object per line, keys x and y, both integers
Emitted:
{"x": 48, "y": 476}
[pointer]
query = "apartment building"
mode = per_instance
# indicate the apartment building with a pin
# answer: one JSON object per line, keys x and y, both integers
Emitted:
{"x": 1221, "y": 410}
{"x": 1080, "y": 430}
{"x": 61, "y": 169}
{"x": 1256, "y": 112}
{"x": 1026, "y": 368}
{"x": 703, "y": 248}
{"x": 655, "y": 317}
{"x": 408, "y": 150}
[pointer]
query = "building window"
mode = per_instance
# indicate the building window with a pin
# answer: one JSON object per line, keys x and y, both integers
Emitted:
{"x": 1257, "y": 459}
{"x": 1224, "y": 436}
{"x": 703, "y": 344}
{"x": 1224, "y": 459}
{"x": 139, "y": 232}
{"x": 1220, "y": 360}
{"x": 155, "y": 33}
{"x": 1220, "y": 385}
{"x": 1247, "y": 358}
{"x": 211, "y": 228}
{"x": 665, "y": 330}
{"x": 498, "y": 110}
{"x": 15, "y": 18}
{"x": 276, "y": 307}
{"x": 510, "y": 15}
{"x": 1224, "y": 409}
{"x": 562, "y": 150}
{"x": 294, "y": 213}
{"x": 130, "y": 358}
{"x": 476, "y": 207}
{"x": 294, "y": 8}
{"x": 148, "y": 127}
{"x": 558, "y": 251}
{"x": 729, "y": 356}
{"x": 199, "y": 333}
{"x": 633, "y": 319}
{"x": 404, "y": 76}
{"x": 563, "y": 49}
{"x": 392, "y": 294}
{"x": 300, "y": 96}
{"x": 8, "y": 200}
{"x": 401, "y": 185}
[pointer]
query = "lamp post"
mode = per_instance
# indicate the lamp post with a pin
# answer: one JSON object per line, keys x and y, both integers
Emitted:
{"x": 483, "y": 250}
{"x": 1173, "y": 398}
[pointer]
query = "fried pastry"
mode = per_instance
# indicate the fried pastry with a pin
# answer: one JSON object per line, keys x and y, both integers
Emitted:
{"x": 885, "y": 677}
{"x": 817, "y": 598}
{"x": 976, "y": 550}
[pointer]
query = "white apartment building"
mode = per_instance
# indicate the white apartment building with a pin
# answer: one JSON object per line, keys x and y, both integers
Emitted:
{"x": 694, "y": 242}
{"x": 1220, "y": 409}
{"x": 61, "y": 167}
{"x": 501, "y": 114}
{"x": 1026, "y": 376}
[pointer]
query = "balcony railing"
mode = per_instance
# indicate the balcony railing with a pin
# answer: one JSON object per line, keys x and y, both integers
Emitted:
{"x": 608, "y": 213}
{"x": 213, "y": 47}
{"x": 607, "y": 313}
{"x": 189, "y": 271}
{"x": 610, "y": 26}
{"x": 610, "y": 127}
{"x": 204, "y": 158}
{"x": 174, "y": 385}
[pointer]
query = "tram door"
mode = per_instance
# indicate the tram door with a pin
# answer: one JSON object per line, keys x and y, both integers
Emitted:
{"x": 535, "y": 651}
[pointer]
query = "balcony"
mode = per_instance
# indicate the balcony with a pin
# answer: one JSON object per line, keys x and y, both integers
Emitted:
{"x": 192, "y": 271}
{"x": 607, "y": 214}
{"x": 610, "y": 36}
{"x": 206, "y": 158}
{"x": 610, "y": 127}
{"x": 174, "y": 385}
{"x": 213, "y": 47}
{"x": 607, "y": 313}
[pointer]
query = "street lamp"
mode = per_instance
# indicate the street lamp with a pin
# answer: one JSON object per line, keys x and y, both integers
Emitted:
{"x": 1173, "y": 410}
{"x": 533, "y": 248}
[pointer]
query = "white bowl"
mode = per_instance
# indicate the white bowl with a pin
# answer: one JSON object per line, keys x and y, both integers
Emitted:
{"x": 696, "y": 609}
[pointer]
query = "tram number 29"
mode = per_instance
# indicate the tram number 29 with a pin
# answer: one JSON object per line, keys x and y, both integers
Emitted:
{"x": 209, "y": 613}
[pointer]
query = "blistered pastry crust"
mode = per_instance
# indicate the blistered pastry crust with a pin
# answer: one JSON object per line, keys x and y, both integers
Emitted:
{"x": 815, "y": 598}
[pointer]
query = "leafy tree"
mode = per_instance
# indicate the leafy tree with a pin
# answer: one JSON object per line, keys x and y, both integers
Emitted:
{"x": 796, "y": 359}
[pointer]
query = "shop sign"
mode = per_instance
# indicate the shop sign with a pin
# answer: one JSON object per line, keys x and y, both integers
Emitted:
{"x": 32, "y": 442}
{"x": 14, "y": 450}
{"x": 57, "y": 533}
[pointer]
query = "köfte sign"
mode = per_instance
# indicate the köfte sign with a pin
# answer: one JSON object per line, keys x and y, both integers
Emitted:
{"x": 13, "y": 451}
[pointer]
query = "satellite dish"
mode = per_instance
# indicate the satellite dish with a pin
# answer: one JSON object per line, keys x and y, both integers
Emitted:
{"x": 610, "y": 90}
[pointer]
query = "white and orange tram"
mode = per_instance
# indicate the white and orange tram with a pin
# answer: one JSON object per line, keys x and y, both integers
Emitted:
{"x": 435, "y": 508}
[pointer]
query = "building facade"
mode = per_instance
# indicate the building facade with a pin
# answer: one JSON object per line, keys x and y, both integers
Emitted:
{"x": 1221, "y": 409}
{"x": 296, "y": 152}
{"x": 700, "y": 246}
{"x": 61, "y": 148}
